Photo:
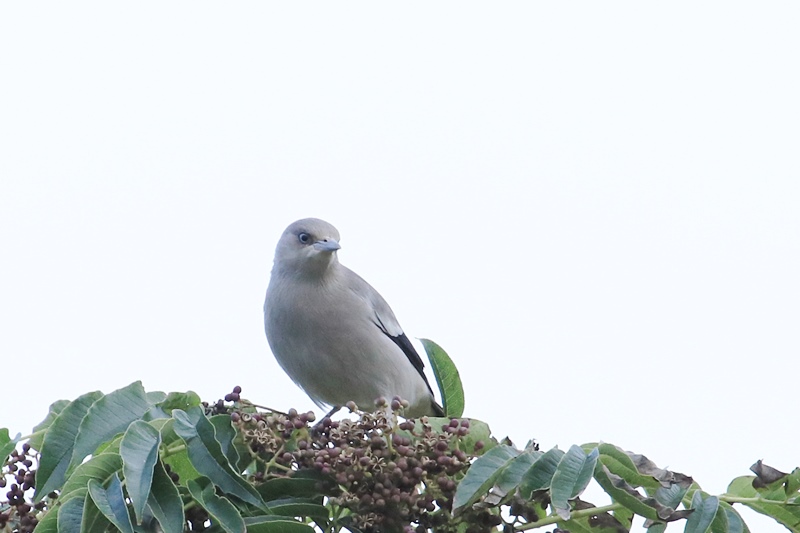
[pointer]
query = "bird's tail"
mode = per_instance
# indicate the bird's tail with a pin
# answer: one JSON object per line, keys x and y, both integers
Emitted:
{"x": 436, "y": 408}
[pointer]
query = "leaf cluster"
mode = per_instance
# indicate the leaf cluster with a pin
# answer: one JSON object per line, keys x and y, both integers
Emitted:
{"x": 134, "y": 461}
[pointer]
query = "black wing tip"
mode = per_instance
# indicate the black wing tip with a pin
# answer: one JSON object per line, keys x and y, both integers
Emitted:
{"x": 411, "y": 354}
{"x": 437, "y": 409}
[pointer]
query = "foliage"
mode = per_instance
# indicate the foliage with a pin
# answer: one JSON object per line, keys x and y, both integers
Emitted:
{"x": 133, "y": 461}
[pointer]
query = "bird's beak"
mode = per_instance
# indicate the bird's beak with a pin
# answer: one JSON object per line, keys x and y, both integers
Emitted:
{"x": 328, "y": 245}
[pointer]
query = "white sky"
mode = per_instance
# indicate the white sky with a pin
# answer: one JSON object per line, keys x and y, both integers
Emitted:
{"x": 595, "y": 208}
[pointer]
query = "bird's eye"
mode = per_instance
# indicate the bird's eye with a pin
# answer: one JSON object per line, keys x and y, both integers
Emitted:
{"x": 305, "y": 238}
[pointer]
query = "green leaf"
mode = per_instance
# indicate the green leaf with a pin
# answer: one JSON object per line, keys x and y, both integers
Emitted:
{"x": 139, "y": 451}
{"x": 627, "y": 470}
{"x": 672, "y": 495}
{"x": 180, "y": 464}
{"x": 481, "y": 476}
{"x": 92, "y": 521}
{"x": 164, "y": 501}
{"x": 628, "y": 496}
{"x": 37, "y": 435}
{"x": 793, "y": 483}
{"x": 156, "y": 400}
{"x": 447, "y": 379}
{"x": 720, "y": 522}
{"x": 221, "y": 510}
{"x": 206, "y": 456}
{"x": 621, "y": 463}
{"x": 180, "y": 400}
{"x": 70, "y": 515}
{"x": 49, "y": 522}
{"x": 584, "y": 475}
{"x": 7, "y": 444}
{"x": 704, "y": 511}
{"x": 283, "y": 487}
{"x": 80, "y": 514}
{"x": 100, "y": 468}
{"x": 571, "y": 477}
{"x": 540, "y": 475}
{"x": 225, "y": 434}
{"x": 511, "y": 476}
{"x": 300, "y": 507}
{"x": 156, "y": 397}
{"x": 110, "y": 446}
{"x": 637, "y": 470}
{"x": 275, "y": 524}
{"x": 111, "y": 502}
{"x": 177, "y": 460}
{"x": 788, "y": 515}
{"x": 735, "y": 522}
{"x": 107, "y": 417}
{"x": 580, "y": 525}
{"x": 58, "y": 444}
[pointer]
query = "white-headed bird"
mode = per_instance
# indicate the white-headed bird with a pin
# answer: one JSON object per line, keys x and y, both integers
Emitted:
{"x": 334, "y": 335}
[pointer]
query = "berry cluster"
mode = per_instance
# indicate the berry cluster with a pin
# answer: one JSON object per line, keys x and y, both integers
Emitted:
{"x": 233, "y": 396}
{"x": 18, "y": 510}
{"x": 387, "y": 474}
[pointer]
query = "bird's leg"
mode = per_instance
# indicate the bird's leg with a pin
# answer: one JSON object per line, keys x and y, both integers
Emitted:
{"x": 316, "y": 427}
{"x": 332, "y": 412}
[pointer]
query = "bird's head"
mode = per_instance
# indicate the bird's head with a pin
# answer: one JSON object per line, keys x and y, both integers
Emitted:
{"x": 307, "y": 247}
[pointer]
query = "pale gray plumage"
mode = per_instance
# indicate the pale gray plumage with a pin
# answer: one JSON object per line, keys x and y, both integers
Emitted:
{"x": 332, "y": 332}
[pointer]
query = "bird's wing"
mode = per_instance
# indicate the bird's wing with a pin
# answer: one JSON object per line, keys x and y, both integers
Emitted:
{"x": 383, "y": 317}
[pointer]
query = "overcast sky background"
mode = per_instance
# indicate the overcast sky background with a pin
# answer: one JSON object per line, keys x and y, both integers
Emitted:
{"x": 594, "y": 208}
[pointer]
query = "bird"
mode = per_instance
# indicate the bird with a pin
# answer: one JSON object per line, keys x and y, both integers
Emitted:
{"x": 335, "y": 335}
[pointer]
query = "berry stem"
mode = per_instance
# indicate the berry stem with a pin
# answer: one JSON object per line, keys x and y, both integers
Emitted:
{"x": 553, "y": 519}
